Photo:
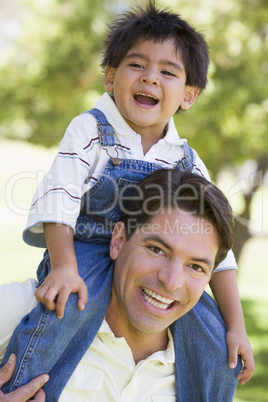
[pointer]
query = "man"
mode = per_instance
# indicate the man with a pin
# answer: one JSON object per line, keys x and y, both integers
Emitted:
{"x": 175, "y": 229}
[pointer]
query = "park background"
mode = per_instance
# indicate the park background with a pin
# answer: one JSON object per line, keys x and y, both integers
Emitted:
{"x": 49, "y": 68}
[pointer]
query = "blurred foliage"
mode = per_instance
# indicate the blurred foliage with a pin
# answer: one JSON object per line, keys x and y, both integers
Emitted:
{"x": 50, "y": 73}
{"x": 228, "y": 123}
{"x": 52, "y": 70}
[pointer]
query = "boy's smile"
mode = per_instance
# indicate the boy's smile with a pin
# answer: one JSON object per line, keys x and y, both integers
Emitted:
{"x": 149, "y": 87}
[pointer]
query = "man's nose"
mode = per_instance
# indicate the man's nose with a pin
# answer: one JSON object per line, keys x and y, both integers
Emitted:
{"x": 172, "y": 276}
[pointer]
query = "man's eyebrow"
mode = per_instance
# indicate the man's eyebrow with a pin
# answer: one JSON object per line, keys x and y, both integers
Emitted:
{"x": 164, "y": 62}
{"x": 206, "y": 261}
{"x": 158, "y": 240}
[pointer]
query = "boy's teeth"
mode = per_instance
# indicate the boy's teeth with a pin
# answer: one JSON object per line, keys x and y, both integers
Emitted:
{"x": 144, "y": 99}
{"x": 151, "y": 298}
{"x": 149, "y": 96}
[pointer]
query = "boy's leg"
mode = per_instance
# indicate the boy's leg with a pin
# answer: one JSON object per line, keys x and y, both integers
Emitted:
{"x": 16, "y": 300}
{"x": 46, "y": 344}
{"x": 202, "y": 371}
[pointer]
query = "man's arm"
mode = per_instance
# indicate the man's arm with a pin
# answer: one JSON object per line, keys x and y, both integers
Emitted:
{"x": 224, "y": 287}
{"x": 63, "y": 278}
{"x": 24, "y": 393}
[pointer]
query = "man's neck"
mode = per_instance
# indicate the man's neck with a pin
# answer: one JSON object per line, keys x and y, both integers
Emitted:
{"x": 141, "y": 344}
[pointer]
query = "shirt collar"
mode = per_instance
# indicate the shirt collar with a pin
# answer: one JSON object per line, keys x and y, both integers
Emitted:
{"x": 108, "y": 107}
{"x": 166, "y": 356}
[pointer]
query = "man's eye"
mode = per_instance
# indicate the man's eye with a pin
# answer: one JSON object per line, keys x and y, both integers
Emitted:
{"x": 197, "y": 268}
{"x": 156, "y": 250}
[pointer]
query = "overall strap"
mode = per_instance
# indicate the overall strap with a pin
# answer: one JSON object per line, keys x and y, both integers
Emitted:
{"x": 188, "y": 160}
{"x": 188, "y": 151}
{"x": 105, "y": 130}
{"x": 105, "y": 133}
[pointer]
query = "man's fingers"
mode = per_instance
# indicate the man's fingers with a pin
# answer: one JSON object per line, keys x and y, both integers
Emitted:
{"x": 7, "y": 370}
{"x": 40, "y": 396}
{"x": 28, "y": 391}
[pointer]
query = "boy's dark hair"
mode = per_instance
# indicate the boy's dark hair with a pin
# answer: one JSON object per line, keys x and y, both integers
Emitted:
{"x": 165, "y": 190}
{"x": 158, "y": 25}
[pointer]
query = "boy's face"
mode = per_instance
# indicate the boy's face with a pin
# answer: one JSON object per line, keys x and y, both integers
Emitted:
{"x": 149, "y": 86}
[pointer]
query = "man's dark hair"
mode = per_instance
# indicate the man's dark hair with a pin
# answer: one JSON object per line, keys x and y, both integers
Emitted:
{"x": 165, "y": 190}
{"x": 158, "y": 25}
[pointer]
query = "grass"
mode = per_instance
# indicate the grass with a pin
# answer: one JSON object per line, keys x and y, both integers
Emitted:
{"x": 19, "y": 261}
{"x": 253, "y": 280}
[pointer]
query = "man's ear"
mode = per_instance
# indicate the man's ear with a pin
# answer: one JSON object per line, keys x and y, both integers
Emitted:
{"x": 109, "y": 78}
{"x": 117, "y": 240}
{"x": 189, "y": 97}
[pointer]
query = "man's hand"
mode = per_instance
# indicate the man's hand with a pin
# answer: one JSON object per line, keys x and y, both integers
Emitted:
{"x": 238, "y": 344}
{"x": 58, "y": 286}
{"x": 29, "y": 392}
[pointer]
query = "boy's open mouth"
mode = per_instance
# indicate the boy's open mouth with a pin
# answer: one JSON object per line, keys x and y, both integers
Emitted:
{"x": 146, "y": 99}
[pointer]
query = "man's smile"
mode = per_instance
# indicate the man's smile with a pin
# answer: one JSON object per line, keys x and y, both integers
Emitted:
{"x": 156, "y": 300}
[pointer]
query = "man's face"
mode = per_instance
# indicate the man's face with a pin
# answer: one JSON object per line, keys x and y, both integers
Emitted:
{"x": 149, "y": 86}
{"x": 160, "y": 272}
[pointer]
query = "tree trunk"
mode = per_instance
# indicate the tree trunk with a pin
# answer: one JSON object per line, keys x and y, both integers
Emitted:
{"x": 242, "y": 232}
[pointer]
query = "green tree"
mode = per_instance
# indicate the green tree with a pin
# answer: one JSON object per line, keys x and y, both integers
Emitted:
{"x": 52, "y": 72}
{"x": 228, "y": 124}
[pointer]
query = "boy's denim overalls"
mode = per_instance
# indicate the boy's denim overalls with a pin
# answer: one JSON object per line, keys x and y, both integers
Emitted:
{"x": 45, "y": 344}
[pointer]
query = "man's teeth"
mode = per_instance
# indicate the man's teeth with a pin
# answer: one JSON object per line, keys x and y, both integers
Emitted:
{"x": 151, "y": 298}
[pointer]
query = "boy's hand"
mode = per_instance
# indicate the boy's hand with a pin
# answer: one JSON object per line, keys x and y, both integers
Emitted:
{"x": 57, "y": 287}
{"x": 238, "y": 344}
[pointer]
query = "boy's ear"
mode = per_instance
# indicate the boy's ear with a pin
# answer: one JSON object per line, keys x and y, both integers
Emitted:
{"x": 118, "y": 239}
{"x": 189, "y": 97}
{"x": 109, "y": 78}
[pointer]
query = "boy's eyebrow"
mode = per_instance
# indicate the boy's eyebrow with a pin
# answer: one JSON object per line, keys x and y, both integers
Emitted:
{"x": 166, "y": 62}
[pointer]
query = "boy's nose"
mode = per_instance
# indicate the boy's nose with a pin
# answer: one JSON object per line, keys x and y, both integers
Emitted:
{"x": 150, "y": 78}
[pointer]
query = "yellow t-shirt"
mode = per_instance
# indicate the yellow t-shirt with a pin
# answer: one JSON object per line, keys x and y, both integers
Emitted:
{"x": 108, "y": 373}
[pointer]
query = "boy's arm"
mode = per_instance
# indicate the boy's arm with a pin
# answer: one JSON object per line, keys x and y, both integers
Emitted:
{"x": 224, "y": 287}
{"x": 63, "y": 278}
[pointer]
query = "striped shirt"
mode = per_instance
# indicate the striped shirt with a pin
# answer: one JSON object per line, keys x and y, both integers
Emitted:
{"x": 81, "y": 160}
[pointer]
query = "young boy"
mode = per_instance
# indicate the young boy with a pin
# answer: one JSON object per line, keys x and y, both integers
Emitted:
{"x": 155, "y": 65}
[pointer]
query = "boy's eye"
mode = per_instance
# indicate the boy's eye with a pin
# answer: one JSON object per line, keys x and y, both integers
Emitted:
{"x": 136, "y": 65}
{"x": 168, "y": 73}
